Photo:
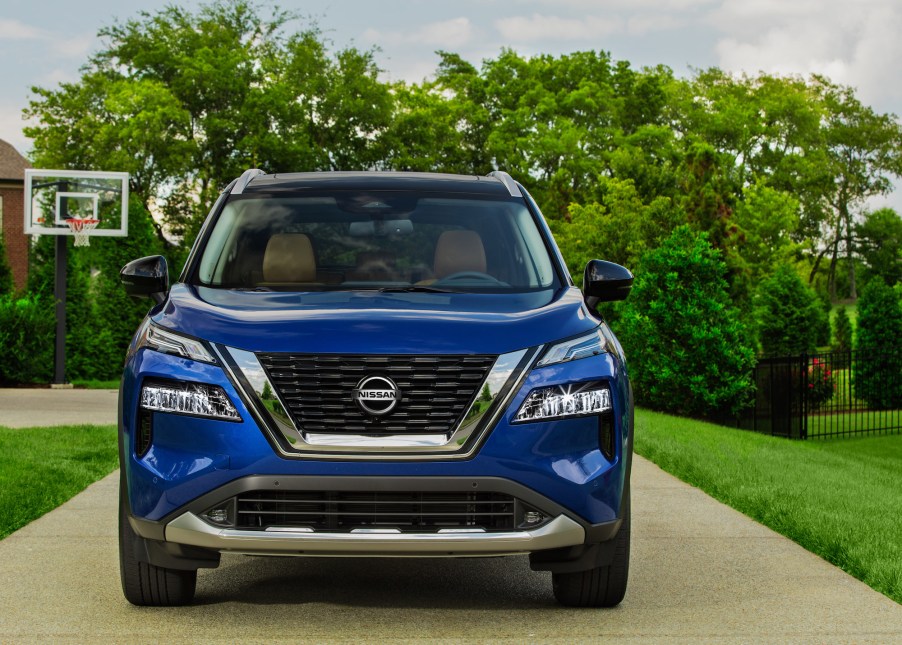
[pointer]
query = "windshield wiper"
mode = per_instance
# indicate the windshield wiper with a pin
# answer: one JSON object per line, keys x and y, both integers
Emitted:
{"x": 251, "y": 289}
{"x": 414, "y": 288}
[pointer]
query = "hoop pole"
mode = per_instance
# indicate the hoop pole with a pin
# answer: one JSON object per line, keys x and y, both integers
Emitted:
{"x": 59, "y": 295}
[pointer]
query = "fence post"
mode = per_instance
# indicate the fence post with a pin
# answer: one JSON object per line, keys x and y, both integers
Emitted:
{"x": 803, "y": 403}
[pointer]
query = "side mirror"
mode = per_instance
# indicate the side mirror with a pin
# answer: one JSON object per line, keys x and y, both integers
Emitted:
{"x": 605, "y": 282}
{"x": 146, "y": 278}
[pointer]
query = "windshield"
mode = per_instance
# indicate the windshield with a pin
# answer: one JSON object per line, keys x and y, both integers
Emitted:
{"x": 380, "y": 240}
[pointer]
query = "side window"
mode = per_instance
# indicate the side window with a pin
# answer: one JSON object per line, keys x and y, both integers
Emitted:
{"x": 540, "y": 269}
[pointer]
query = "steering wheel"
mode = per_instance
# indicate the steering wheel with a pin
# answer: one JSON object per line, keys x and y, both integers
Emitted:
{"x": 469, "y": 275}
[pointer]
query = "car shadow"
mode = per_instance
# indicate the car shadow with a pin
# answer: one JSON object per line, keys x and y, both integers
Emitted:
{"x": 483, "y": 583}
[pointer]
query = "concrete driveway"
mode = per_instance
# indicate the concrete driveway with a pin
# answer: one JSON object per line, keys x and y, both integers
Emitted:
{"x": 700, "y": 572}
{"x": 27, "y": 407}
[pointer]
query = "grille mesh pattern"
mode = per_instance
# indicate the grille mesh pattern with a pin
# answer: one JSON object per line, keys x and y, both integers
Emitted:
{"x": 435, "y": 390}
{"x": 343, "y": 511}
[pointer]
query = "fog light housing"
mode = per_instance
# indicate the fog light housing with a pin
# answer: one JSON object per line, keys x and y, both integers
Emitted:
{"x": 193, "y": 399}
{"x": 563, "y": 401}
{"x": 222, "y": 514}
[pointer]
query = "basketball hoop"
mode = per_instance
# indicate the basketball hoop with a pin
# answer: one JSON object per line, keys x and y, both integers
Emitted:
{"x": 80, "y": 228}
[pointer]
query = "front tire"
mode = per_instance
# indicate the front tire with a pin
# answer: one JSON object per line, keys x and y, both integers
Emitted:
{"x": 602, "y": 586}
{"x": 145, "y": 584}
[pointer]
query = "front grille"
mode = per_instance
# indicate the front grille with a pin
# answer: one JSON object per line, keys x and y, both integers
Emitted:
{"x": 435, "y": 390}
{"x": 335, "y": 511}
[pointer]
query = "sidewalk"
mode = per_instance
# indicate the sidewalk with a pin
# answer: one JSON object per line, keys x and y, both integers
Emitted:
{"x": 700, "y": 572}
{"x": 26, "y": 407}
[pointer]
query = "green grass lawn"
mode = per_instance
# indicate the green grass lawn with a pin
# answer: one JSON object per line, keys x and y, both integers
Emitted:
{"x": 840, "y": 498}
{"x": 93, "y": 384}
{"x": 40, "y": 468}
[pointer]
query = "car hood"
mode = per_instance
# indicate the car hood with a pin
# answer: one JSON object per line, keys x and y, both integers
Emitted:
{"x": 370, "y": 322}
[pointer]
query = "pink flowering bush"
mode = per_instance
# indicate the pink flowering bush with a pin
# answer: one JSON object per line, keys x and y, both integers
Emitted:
{"x": 821, "y": 385}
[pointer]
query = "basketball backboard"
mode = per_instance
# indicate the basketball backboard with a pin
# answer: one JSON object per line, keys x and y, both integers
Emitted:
{"x": 53, "y": 197}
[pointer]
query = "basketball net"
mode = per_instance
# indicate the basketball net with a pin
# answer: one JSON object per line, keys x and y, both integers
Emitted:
{"x": 80, "y": 228}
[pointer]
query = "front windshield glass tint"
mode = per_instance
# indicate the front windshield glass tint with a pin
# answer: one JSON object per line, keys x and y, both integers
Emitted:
{"x": 376, "y": 240}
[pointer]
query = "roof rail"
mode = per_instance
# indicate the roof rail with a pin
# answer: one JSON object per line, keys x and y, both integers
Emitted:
{"x": 246, "y": 177}
{"x": 508, "y": 182}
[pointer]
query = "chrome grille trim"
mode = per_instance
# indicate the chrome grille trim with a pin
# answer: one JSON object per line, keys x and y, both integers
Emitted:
{"x": 251, "y": 380}
{"x": 436, "y": 390}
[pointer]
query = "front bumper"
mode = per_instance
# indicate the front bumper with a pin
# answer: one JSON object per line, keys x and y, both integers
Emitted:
{"x": 191, "y": 530}
{"x": 559, "y": 529}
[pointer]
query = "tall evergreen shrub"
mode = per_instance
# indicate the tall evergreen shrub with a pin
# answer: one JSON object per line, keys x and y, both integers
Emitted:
{"x": 877, "y": 370}
{"x": 789, "y": 314}
{"x": 686, "y": 347}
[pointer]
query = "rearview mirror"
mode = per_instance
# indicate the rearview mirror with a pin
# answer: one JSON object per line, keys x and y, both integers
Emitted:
{"x": 381, "y": 228}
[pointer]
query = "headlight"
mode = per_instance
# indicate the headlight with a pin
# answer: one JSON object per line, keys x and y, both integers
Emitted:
{"x": 561, "y": 401}
{"x": 169, "y": 342}
{"x": 574, "y": 348}
{"x": 196, "y": 399}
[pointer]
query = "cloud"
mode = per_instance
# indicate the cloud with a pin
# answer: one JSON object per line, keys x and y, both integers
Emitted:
{"x": 11, "y": 29}
{"x": 444, "y": 34}
{"x": 623, "y": 5}
{"x": 539, "y": 27}
{"x": 853, "y": 44}
{"x": 11, "y": 124}
{"x": 642, "y": 24}
{"x": 447, "y": 33}
{"x": 75, "y": 47}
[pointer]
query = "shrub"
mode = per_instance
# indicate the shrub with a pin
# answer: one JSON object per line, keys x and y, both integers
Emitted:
{"x": 842, "y": 331}
{"x": 27, "y": 328}
{"x": 789, "y": 315}
{"x": 821, "y": 385}
{"x": 685, "y": 345}
{"x": 877, "y": 375}
{"x": 6, "y": 274}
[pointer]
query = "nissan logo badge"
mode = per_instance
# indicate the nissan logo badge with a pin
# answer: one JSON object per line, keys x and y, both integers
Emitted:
{"x": 377, "y": 395}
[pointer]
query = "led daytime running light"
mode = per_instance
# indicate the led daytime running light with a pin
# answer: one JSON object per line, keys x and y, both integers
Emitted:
{"x": 560, "y": 402}
{"x": 169, "y": 342}
{"x": 575, "y": 348}
{"x": 195, "y": 399}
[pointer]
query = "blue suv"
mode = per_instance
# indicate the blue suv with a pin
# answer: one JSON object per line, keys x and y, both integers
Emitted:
{"x": 375, "y": 364}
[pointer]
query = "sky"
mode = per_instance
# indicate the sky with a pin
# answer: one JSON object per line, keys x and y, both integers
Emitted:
{"x": 854, "y": 42}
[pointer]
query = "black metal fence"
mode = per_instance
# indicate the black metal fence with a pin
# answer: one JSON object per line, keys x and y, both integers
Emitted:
{"x": 827, "y": 395}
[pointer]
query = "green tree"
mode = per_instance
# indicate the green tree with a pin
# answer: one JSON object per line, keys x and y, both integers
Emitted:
{"x": 683, "y": 338}
{"x": 620, "y": 228}
{"x": 766, "y": 219}
{"x": 863, "y": 151}
{"x": 842, "y": 331}
{"x": 789, "y": 315}
{"x": 877, "y": 369}
{"x": 879, "y": 243}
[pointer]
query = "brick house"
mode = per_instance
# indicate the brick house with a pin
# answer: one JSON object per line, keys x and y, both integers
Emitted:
{"x": 12, "y": 216}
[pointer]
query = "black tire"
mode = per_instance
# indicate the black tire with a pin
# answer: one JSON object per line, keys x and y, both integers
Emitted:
{"x": 145, "y": 584}
{"x": 602, "y": 586}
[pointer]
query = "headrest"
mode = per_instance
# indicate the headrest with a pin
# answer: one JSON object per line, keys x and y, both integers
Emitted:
{"x": 458, "y": 251}
{"x": 289, "y": 258}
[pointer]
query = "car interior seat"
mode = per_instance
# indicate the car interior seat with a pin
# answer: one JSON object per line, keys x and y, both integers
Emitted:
{"x": 289, "y": 259}
{"x": 458, "y": 251}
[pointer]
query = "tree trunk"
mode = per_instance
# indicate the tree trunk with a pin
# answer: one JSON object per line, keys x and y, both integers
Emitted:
{"x": 853, "y": 292}
{"x": 831, "y": 275}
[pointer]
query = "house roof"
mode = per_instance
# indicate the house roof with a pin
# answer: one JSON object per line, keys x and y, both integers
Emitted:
{"x": 12, "y": 164}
